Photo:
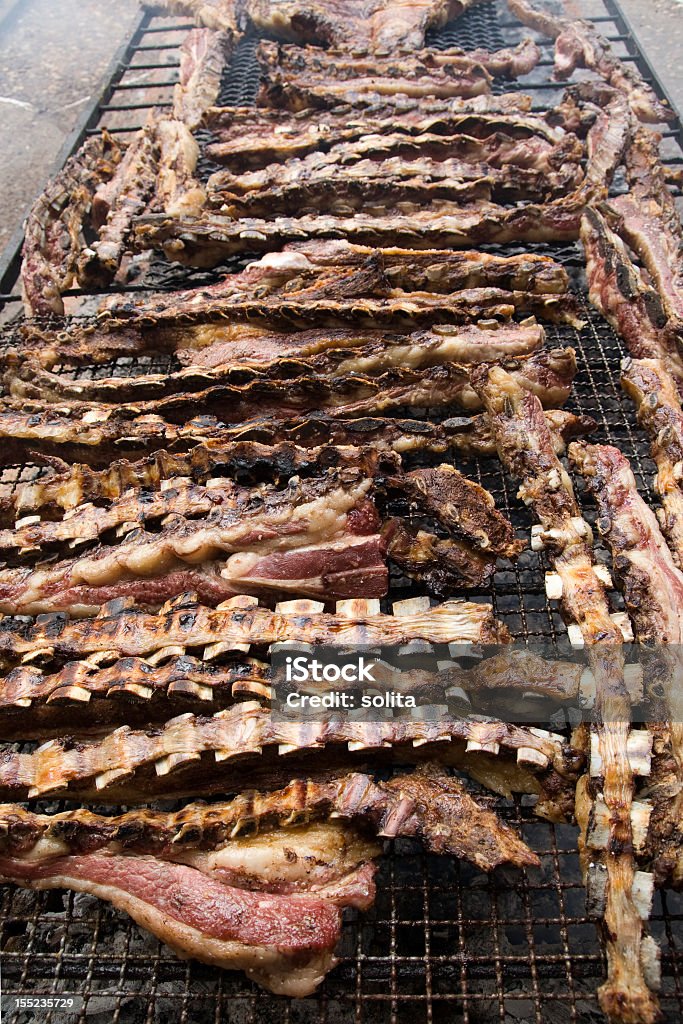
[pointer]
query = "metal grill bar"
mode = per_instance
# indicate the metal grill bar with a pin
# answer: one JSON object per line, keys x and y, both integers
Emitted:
{"x": 443, "y": 940}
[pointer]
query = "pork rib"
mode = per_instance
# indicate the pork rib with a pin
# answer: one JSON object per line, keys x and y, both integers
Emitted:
{"x": 526, "y": 450}
{"x": 220, "y": 15}
{"x": 579, "y": 45}
{"x": 658, "y": 407}
{"x": 54, "y": 234}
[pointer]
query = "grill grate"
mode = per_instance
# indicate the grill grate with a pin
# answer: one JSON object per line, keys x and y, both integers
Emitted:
{"x": 443, "y": 940}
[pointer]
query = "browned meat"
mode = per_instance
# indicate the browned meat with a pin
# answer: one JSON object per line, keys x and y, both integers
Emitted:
{"x": 578, "y": 44}
{"x": 214, "y": 366}
{"x": 648, "y": 220}
{"x": 526, "y": 449}
{"x": 138, "y": 634}
{"x": 378, "y": 26}
{"x": 97, "y": 435}
{"x": 619, "y": 292}
{"x": 398, "y": 170}
{"x": 206, "y": 240}
{"x": 203, "y": 56}
{"x": 548, "y": 374}
{"x": 123, "y": 197}
{"x": 251, "y": 138}
{"x": 215, "y": 14}
{"x": 254, "y": 883}
{"x": 54, "y": 229}
{"x": 658, "y": 407}
{"x": 427, "y": 804}
{"x": 128, "y": 766}
{"x": 324, "y": 528}
{"x": 643, "y": 563}
{"x": 177, "y": 192}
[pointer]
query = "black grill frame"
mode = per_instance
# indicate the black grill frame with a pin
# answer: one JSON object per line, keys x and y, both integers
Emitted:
{"x": 443, "y": 940}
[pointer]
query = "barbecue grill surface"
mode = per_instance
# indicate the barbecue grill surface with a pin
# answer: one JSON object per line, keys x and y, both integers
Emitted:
{"x": 443, "y": 942}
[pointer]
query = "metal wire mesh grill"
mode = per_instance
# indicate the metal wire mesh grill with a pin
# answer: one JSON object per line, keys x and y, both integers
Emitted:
{"x": 443, "y": 941}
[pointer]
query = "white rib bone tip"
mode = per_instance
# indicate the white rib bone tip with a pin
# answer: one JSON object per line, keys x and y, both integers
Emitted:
{"x": 553, "y": 586}
{"x": 622, "y": 621}
{"x": 300, "y": 607}
{"x": 639, "y": 751}
{"x": 357, "y": 608}
{"x": 107, "y": 778}
{"x": 164, "y": 653}
{"x": 604, "y": 575}
{"x": 241, "y": 601}
{"x": 531, "y": 758}
{"x": 641, "y": 811}
{"x": 410, "y": 606}
{"x": 642, "y": 891}
{"x": 474, "y": 746}
{"x": 537, "y": 538}
{"x": 26, "y": 521}
{"x": 575, "y": 636}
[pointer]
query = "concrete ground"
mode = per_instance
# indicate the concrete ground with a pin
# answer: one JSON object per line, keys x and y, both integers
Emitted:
{"x": 53, "y": 54}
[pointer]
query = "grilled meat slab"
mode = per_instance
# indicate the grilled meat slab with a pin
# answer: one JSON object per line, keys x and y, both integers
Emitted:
{"x": 253, "y": 139}
{"x": 548, "y": 374}
{"x": 619, "y": 292}
{"x": 658, "y": 408}
{"x": 129, "y": 766}
{"x": 203, "y": 56}
{"x": 653, "y": 591}
{"x": 526, "y": 450}
{"x": 579, "y": 45}
{"x": 106, "y": 433}
{"x": 643, "y": 563}
{"x": 284, "y": 943}
{"x": 377, "y": 26}
{"x": 214, "y": 366}
{"x": 311, "y": 87}
{"x": 53, "y": 237}
{"x": 183, "y": 621}
{"x": 399, "y": 170}
{"x": 240, "y": 871}
{"x": 426, "y": 804}
{"x": 215, "y": 14}
{"x": 211, "y": 238}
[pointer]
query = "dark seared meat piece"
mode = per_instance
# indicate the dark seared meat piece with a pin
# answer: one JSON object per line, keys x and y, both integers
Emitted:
{"x": 652, "y": 387}
{"x": 579, "y": 45}
{"x": 99, "y": 435}
{"x": 215, "y": 367}
{"x": 54, "y": 233}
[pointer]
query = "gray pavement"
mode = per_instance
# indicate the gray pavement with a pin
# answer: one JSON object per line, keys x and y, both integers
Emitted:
{"x": 53, "y": 54}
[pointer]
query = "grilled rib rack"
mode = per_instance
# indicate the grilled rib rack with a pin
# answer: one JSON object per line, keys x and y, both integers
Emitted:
{"x": 443, "y": 942}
